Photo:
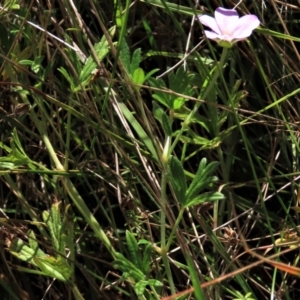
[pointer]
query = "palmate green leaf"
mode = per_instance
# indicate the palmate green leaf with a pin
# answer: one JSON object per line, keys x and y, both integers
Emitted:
{"x": 177, "y": 179}
{"x": 55, "y": 267}
{"x": 147, "y": 259}
{"x": 140, "y": 286}
{"x": 68, "y": 231}
{"x": 198, "y": 119}
{"x": 34, "y": 65}
{"x": 133, "y": 248}
{"x": 54, "y": 221}
{"x": 124, "y": 265}
{"x": 205, "y": 197}
{"x": 118, "y": 14}
{"x": 131, "y": 64}
{"x": 163, "y": 119}
{"x": 66, "y": 75}
{"x": 180, "y": 82}
{"x": 6, "y": 165}
{"x": 160, "y": 96}
{"x": 31, "y": 271}
{"x": 202, "y": 179}
{"x": 178, "y": 102}
{"x": 125, "y": 55}
{"x": 52, "y": 228}
{"x": 195, "y": 141}
{"x": 157, "y": 111}
{"x": 34, "y": 244}
{"x": 154, "y": 282}
{"x": 17, "y": 157}
{"x": 25, "y": 62}
{"x": 138, "y": 77}
{"x": 50, "y": 266}
{"x": 166, "y": 124}
{"x": 149, "y": 74}
{"x": 37, "y": 64}
{"x": 133, "y": 272}
{"x": 101, "y": 49}
{"x": 135, "y": 61}
{"x": 5, "y": 147}
{"x": 11, "y": 4}
{"x": 20, "y": 250}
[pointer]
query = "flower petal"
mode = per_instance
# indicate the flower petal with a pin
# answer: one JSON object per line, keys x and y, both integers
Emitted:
{"x": 226, "y": 20}
{"x": 209, "y": 22}
{"x": 212, "y": 35}
{"x": 245, "y": 26}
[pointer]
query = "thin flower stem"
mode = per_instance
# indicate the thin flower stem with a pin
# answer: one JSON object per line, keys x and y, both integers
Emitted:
{"x": 225, "y": 179}
{"x": 76, "y": 293}
{"x": 163, "y": 214}
{"x": 163, "y": 232}
{"x": 175, "y": 228}
{"x": 164, "y": 250}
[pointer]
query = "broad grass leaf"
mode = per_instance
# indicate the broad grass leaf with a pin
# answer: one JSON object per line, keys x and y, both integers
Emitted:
{"x": 195, "y": 279}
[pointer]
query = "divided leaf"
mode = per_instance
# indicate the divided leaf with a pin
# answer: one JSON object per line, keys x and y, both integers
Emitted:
{"x": 177, "y": 179}
{"x": 133, "y": 248}
{"x": 147, "y": 259}
{"x": 127, "y": 267}
{"x": 205, "y": 197}
{"x": 202, "y": 180}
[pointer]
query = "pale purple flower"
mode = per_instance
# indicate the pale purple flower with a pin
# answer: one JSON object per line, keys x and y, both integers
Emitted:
{"x": 227, "y": 28}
